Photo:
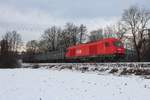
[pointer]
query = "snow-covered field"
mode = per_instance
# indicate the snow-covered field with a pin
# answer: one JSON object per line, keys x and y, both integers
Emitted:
{"x": 48, "y": 84}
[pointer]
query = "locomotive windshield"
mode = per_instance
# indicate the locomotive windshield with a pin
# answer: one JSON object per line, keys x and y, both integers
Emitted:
{"x": 118, "y": 44}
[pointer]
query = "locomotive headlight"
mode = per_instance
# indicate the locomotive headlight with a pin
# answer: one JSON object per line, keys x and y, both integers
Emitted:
{"x": 119, "y": 50}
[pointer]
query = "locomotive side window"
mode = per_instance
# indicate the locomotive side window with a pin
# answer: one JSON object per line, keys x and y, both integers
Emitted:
{"x": 106, "y": 44}
{"x": 118, "y": 44}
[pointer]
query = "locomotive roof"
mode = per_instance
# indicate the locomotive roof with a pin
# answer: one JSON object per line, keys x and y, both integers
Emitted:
{"x": 83, "y": 44}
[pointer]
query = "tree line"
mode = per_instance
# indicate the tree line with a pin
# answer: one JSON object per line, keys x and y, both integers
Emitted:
{"x": 56, "y": 38}
{"x": 9, "y": 46}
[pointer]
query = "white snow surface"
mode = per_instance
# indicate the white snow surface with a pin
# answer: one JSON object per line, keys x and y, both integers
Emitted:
{"x": 46, "y": 84}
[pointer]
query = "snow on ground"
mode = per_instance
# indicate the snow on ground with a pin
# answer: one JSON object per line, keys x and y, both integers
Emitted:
{"x": 46, "y": 84}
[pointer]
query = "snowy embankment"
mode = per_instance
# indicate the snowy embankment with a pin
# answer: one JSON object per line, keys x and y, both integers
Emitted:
{"x": 142, "y": 69}
{"x": 50, "y": 84}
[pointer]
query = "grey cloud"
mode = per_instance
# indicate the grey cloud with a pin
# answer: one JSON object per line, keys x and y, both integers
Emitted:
{"x": 77, "y": 8}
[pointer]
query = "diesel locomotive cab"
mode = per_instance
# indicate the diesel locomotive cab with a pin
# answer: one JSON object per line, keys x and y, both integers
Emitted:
{"x": 119, "y": 48}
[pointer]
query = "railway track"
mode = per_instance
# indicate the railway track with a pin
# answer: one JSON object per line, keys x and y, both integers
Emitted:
{"x": 121, "y": 68}
{"x": 118, "y": 64}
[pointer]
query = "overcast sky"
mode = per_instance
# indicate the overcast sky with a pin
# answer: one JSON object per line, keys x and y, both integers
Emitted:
{"x": 31, "y": 17}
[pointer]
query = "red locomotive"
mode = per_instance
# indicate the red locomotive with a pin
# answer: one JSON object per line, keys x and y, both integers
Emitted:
{"x": 102, "y": 49}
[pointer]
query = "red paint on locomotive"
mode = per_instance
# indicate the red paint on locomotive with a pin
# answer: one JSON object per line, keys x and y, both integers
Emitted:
{"x": 108, "y": 46}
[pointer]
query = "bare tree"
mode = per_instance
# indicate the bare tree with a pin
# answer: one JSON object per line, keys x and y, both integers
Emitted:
{"x": 14, "y": 41}
{"x": 146, "y": 54}
{"x": 71, "y": 32}
{"x": 117, "y": 30}
{"x": 120, "y": 30}
{"x": 82, "y": 31}
{"x": 43, "y": 46}
{"x": 71, "y": 35}
{"x": 64, "y": 40}
{"x": 32, "y": 47}
{"x": 10, "y": 44}
{"x": 136, "y": 20}
{"x": 51, "y": 37}
{"x": 4, "y": 48}
{"x": 109, "y": 32}
{"x": 96, "y": 35}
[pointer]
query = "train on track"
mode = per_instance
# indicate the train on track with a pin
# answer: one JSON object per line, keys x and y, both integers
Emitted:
{"x": 109, "y": 49}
